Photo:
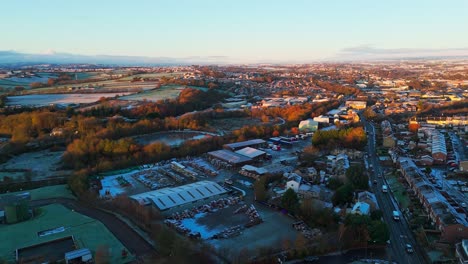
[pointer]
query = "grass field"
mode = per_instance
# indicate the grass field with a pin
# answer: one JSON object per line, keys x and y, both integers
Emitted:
{"x": 152, "y": 75}
{"x": 42, "y": 164}
{"x": 165, "y": 92}
{"x": 55, "y": 191}
{"x": 64, "y": 99}
{"x": 88, "y": 233}
{"x": 398, "y": 191}
{"x": 10, "y": 83}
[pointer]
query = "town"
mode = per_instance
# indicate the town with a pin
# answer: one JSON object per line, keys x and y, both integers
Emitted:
{"x": 324, "y": 163}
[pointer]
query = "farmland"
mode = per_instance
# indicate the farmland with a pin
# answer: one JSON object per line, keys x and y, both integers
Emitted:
{"x": 12, "y": 82}
{"x": 62, "y": 99}
{"x": 170, "y": 138}
{"x": 165, "y": 92}
{"x": 40, "y": 165}
{"x": 152, "y": 75}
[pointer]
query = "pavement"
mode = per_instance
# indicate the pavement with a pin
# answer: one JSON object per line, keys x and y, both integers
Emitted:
{"x": 137, "y": 245}
{"x": 400, "y": 232}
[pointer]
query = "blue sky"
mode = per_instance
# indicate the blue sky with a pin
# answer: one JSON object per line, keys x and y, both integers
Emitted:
{"x": 242, "y": 30}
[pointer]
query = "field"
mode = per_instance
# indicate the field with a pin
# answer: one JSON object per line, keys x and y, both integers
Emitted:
{"x": 165, "y": 92}
{"x": 170, "y": 138}
{"x": 42, "y": 164}
{"x": 398, "y": 190}
{"x": 10, "y": 83}
{"x": 48, "y": 192}
{"x": 230, "y": 124}
{"x": 62, "y": 99}
{"x": 85, "y": 75}
{"x": 88, "y": 233}
{"x": 152, "y": 75}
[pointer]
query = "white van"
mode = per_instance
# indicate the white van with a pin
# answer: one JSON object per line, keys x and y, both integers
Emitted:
{"x": 384, "y": 188}
{"x": 396, "y": 215}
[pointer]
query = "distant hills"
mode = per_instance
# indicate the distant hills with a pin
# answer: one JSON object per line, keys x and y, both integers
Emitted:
{"x": 18, "y": 58}
{"x": 356, "y": 54}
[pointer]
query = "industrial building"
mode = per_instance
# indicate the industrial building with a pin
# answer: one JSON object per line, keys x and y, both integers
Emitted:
{"x": 177, "y": 197}
{"x": 254, "y": 143}
{"x": 230, "y": 157}
{"x": 252, "y": 153}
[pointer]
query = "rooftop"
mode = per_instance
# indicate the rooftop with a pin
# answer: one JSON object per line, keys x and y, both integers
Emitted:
{"x": 167, "y": 198}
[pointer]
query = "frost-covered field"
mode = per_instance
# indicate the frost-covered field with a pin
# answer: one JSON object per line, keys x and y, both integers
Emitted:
{"x": 64, "y": 99}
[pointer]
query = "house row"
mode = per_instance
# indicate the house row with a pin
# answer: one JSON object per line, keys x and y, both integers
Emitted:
{"x": 448, "y": 217}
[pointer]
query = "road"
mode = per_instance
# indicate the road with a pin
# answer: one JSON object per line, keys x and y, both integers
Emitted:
{"x": 126, "y": 235}
{"x": 400, "y": 232}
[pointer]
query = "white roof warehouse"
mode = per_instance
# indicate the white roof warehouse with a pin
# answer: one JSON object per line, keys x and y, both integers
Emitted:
{"x": 168, "y": 198}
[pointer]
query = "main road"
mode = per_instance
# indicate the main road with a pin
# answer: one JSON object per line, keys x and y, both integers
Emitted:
{"x": 400, "y": 232}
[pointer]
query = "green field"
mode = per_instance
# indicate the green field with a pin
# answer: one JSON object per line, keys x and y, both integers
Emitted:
{"x": 398, "y": 191}
{"x": 165, "y": 92}
{"x": 152, "y": 75}
{"x": 88, "y": 233}
{"x": 55, "y": 191}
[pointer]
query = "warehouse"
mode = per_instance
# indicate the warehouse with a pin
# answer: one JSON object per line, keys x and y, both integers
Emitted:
{"x": 169, "y": 198}
{"x": 252, "y": 153}
{"x": 229, "y": 157}
{"x": 254, "y": 143}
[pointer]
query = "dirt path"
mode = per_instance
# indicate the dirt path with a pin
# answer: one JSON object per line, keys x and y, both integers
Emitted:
{"x": 127, "y": 236}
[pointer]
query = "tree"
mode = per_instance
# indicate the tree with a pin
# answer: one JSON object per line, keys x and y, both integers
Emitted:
{"x": 334, "y": 183}
{"x": 343, "y": 195}
{"x": 379, "y": 232}
{"x": 290, "y": 201}
{"x": 357, "y": 177}
{"x": 376, "y": 215}
{"x": 369, "y": 113}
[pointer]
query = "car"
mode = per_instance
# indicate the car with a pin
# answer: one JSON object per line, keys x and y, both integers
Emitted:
{"x": 375, "y": 181}
{"x": 409, "y": 248}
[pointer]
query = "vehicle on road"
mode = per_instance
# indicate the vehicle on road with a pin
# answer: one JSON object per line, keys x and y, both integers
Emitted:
{"x": 396, "y": 215}
{"x": 409, "y": 248}
{"x": 384, "y": 188}
{"x": 375, "y": 181}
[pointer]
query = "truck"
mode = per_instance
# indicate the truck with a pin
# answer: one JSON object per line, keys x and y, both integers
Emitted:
{"x": 396, "y": 215}
{"x": 384, "y": 188}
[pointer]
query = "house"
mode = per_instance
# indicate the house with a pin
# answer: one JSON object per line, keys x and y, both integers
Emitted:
{"x": 361, "y": 208}
{"x": 356, "y": 104}
{"x": 294, "y": 182}
{"x": 322, "y": 119}
{"x": 368, "y": 198}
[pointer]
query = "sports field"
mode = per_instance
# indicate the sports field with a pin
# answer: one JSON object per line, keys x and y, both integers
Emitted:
{"x": 48, "y": 192}
{"x": 88, "y": 233}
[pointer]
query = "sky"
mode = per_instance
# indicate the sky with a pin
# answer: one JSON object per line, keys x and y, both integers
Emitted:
{"x": 236, "y": 30}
